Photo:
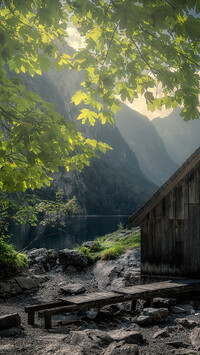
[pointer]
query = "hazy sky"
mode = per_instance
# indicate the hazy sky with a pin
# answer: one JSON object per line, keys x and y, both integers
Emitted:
{"x": 76, "y": 41}
{"x": 140, "y": 106}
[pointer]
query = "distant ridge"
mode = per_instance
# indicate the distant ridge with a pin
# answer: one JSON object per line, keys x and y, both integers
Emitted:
{"x": 145, "y": 142}
{"x": 180, "y": 137}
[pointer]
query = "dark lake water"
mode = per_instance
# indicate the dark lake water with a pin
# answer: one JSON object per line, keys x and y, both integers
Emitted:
{"x": 76, "y": 231}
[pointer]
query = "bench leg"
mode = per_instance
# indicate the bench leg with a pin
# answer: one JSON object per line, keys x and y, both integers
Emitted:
{"x": 47, "y": 321}
{"x": 31, "y": 318}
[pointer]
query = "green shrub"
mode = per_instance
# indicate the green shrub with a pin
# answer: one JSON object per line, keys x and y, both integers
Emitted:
{"x": 96, "y": 247}
{"x": 86, "y": 251}
{"x": 112, "y": 253}
{"x": 11, "y": 262}
{"x": 131, "y": 241}
{"x": 120, "y": 226}
{"x": 111, "y": 245}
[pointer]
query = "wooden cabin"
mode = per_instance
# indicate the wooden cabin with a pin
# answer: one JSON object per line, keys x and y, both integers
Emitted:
{"x": 170, "y": 224}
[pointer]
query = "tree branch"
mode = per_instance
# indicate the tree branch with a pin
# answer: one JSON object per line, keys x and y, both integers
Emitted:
{"x": 153, "y": 70}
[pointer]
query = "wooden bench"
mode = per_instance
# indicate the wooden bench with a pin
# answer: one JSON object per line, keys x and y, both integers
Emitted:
{"x": 100, "y": 299}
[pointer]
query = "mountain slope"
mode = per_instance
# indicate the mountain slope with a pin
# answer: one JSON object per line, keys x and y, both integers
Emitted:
{"x": 181, "y": 138}
{"x": 148, "y": 147}
{"x": 114, "y": 184}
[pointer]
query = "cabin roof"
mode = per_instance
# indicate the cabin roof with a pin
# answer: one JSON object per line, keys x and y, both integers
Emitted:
{"x": 184, "y": 169}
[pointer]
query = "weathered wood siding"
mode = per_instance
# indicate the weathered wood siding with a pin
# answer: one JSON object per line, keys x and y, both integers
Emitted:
{"x": 171, "y": 231}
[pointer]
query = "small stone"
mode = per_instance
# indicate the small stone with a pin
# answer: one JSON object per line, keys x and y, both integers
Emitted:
{"x": 160, "y": 302}
{"x": 11, "y": 332}
{"x": 161, "y": 334}
{"x": 72, "y": 289}
{"x": 178, "y": 310}
{"x": 40, "y": 279}
{"x": 187, "y": 323}
{"x": 7, "y": 349}
{"x": 92, "y": 313}
{"x": 177, "y": 344}
{"x": 130, "y": 337}
{"x": 119, "y": 348}
{"x": 119, "y": 282}
{"x": 143, "y": 320}
{"x": 40, "y": 259}
{"x": 157, "y": 314}
{"x": 184, "y": 352}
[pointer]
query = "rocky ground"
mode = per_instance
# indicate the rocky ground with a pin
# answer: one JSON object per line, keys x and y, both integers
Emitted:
{"x": 167, "y": 327}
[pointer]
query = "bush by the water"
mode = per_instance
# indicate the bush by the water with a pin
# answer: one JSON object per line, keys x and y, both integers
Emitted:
{"x": 11, "y": 262}
{"x": 111, "y": 245}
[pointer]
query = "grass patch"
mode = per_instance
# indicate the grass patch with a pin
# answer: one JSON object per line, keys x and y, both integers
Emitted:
{"x": 111, "y": 246}
{"x": 11, "y": 262}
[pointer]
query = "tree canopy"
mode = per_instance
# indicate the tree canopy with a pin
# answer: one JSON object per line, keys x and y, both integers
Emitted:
{"x": 34, "y": 138}
{"x": 134, "y": 46}
{"x": 130, "y": 47}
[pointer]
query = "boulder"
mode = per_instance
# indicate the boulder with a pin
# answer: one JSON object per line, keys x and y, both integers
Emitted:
{"x": 34, "y": 253}
{"x": 120, "y": 348}
{"x": 10, "y": 288}
{"x": 51, "y": 257}
{"x": 9, "y": 320}
{"x": 151, "y": 316}
{"x": 26, "y": 283}
{"x": 128, "y": 336}
{"x": 89, "y": 339}
{"x": 72, "y": 257}
{"x": 37, "y": 269}
{"x": 195, "y": 338}
{"x": 131, "y": 276}
{"x": 105, "y": 273}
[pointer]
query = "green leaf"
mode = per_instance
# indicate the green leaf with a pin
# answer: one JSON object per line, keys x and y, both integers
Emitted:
{"x": 79, "y": 97}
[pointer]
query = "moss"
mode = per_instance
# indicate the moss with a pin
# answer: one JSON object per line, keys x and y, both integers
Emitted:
{"x": 112, "y": 245}
{"x": 87, "y": 252}
{"x": 112, "y": 253}
{"x": 11, "y": 262}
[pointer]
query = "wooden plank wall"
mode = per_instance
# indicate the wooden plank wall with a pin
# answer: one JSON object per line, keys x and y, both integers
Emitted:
{"x": 171, "y": 231}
